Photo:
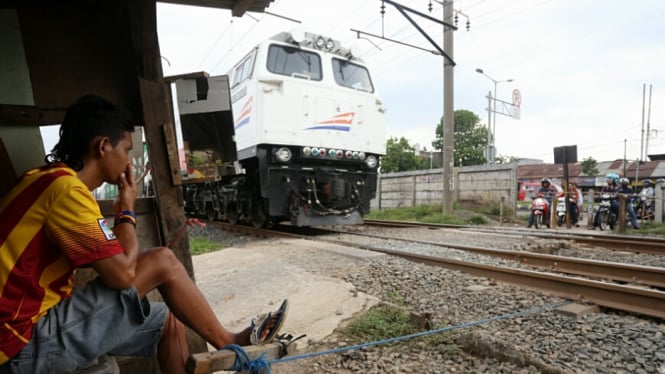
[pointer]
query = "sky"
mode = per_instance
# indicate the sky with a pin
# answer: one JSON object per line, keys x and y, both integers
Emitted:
{"x": 580, "y": 65}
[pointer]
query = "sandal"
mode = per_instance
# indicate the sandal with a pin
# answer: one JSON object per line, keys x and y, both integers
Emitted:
{"x": 260, "y": 322}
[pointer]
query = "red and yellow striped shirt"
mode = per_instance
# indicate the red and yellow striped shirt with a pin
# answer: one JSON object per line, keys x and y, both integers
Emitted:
{"x": 49, "y": 225}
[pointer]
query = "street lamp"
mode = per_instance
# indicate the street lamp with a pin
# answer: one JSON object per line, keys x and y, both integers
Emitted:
{"x": 492, "y": 131}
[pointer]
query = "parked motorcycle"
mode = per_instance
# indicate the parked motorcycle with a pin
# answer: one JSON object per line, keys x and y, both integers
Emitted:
{"x": 540, "y": 211}
{"x": 642, "y": 211}
{"x": 606, "y": 217}
{"x": 561, "y": 210}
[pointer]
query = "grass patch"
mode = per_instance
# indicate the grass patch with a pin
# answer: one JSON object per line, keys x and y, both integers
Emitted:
{"x": 380, "y": 322}
{"x": 199, "y": 245}
{"x": 420, "y": 213}
{"x": 386, "y": 321}
{"x": 464, "y": 213}
{"x": 478, "y": 220}
{"x": 651, "y": 228}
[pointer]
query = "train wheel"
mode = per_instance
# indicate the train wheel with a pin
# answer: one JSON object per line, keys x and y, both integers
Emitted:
{"x": 210, "y": 212}
{"x": 259, "y": 215}
{"x": 232, "y": 213}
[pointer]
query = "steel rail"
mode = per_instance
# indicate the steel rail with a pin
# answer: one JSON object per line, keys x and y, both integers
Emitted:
{"x": 643, "y": 275}
{"x": 614, "y": 242}
{"x": 627, "y": 298}
{"x": 621, "y": 297}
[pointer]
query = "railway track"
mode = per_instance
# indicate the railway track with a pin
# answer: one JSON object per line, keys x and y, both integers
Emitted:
{"x": 637, "y": 244}
{"x": 630, "y": 288}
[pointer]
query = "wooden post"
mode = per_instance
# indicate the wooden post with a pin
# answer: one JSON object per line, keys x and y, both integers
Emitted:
{"x": 503, "y": 198}
{"x": 621, "y": 226}
{"x": 413, "y": 202}
{"x": 589, "y": 208}
{"x": 658, "y": 201}
{"x": 555, "y": 206}
{"x": 208, "y": 362}
{"x": 157, "y": 111}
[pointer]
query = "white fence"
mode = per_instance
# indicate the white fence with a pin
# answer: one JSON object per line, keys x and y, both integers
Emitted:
{"x": 486, "y": 183}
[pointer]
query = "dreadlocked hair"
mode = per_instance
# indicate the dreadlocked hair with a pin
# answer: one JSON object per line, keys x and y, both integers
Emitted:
{"x": 91, "y": 116}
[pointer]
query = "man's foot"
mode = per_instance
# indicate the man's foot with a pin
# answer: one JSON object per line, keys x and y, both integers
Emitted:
{"x": 266, "y": 326}
{"x": 528, "y": 226}
{"x": 263, "y": 328}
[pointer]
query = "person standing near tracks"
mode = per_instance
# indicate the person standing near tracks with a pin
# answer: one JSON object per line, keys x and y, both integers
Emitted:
{"x": 573, "y": 196}
{"x": 627, "y": 191}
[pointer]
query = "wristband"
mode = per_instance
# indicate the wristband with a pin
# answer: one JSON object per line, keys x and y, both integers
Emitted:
{"x": 126, "y": 213}
{"x": 124, "y": 219}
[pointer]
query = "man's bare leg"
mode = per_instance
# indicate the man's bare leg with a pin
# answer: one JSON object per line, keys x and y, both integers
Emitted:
{"x": 173, "y": 350}
{"x": 160, "y": 269}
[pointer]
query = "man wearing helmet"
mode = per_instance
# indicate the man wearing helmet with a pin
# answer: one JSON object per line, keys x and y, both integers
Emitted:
{"x": 625, "y": 189}
{"x": 611, "y": 187}
{"x": 547, "y": 191}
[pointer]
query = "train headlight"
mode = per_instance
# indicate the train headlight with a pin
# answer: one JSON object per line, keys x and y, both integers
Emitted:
{"x": 371, "y": 161}
{"x": 349, "y": 154}
{"x": 283, "y": 154}
{"x": 322, "y": 152}
{"x": 307, "y": 151}
{"x": 331, "y": 153}
{"x": 320, "y": 42}
{"x": 315, "y": 151}
{"x": 361, "y": 155}
{"x": 330, "y": 44}
{"x": 339, "y": 153}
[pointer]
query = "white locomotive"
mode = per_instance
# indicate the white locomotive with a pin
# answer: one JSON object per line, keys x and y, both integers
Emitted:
{"x": 309, "y": 131}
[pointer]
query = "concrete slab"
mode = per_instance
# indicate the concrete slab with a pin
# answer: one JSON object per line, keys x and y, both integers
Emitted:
{"x": 240, "y": 283}
{"x": 577, "y": 310}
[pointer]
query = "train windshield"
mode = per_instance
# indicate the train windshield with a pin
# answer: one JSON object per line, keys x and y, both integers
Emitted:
{"x": 350, "y": 75}
{"x": 294, "y": 62}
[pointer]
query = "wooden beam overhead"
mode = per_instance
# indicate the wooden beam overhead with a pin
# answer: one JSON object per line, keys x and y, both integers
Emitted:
{"x": 24, "y": 115}
{"x": 241, "y": 7}
{"x": 237, "y": 7}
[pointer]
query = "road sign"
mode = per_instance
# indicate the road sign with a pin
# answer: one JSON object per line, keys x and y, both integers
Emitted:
{"x": 517, "y": 98}
{"x": 516, "y": 112}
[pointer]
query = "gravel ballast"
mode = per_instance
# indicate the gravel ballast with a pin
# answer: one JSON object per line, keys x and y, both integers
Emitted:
{"x": 547, "y": 341}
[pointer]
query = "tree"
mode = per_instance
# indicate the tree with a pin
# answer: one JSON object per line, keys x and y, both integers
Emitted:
{"x": 470, "y": 139}
{"x": 502, "y": 159}
{"x": 400, "y": 156}
{"x": 589, "y": 166}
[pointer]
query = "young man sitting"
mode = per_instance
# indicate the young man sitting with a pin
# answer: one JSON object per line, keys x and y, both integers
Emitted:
{"x": 50, "y": 224}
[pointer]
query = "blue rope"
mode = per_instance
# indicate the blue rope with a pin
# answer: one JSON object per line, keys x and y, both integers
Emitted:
{"x": 416, "y": 335}
{"x": 244, "y": 362}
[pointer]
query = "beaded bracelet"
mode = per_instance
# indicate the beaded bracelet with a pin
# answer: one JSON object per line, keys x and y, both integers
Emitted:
{"x": 125, "y": 219}
{"x": 126, "y": 216}
{"x": 126, "y": 213}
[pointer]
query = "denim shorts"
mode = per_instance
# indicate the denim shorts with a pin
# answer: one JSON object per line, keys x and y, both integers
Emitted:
{"x": 94, "y": 321}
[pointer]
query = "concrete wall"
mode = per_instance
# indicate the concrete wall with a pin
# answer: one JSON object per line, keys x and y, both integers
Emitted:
{"x": 486, "y": 183}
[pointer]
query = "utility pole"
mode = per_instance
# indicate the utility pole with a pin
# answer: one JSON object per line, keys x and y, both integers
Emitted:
{"x": 646, "y": 142}
{"x": 644, "y": 88}
{"x": 624, "y": 157}
{"x": 488, "y": 151}
{"x": 448, "y": 109}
